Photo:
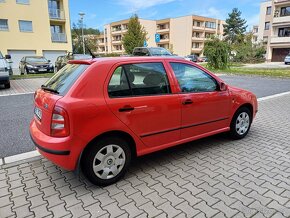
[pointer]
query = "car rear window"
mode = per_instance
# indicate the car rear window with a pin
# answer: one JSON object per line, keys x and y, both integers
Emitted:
{"x": 65, "y": 78}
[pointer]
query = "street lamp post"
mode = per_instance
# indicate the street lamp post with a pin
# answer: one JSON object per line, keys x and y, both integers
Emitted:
{"x": 82, "y": 23}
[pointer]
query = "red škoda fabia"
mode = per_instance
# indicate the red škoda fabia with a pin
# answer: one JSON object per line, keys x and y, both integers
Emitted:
{"x": 98, "y": 114}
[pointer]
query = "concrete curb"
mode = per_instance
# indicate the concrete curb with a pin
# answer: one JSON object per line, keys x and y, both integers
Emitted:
{"x": 19, "y": 157}
{"x": 24, "y": 93}
{"x": 273, "y": 96}
{"x": 31, "y": 154}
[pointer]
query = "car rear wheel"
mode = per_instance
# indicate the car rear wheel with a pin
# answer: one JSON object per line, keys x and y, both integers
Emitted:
{"x": 106, "y": 161}
{"x": 241, "y": 123}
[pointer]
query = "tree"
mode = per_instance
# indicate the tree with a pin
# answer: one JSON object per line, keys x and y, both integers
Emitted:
{"x": 89, "y": 35}
{"x": 235, "y": 26}
{"x": 217, "y": 53}
{"x": 135, "y": 36}
{"x": 248, "y": 52}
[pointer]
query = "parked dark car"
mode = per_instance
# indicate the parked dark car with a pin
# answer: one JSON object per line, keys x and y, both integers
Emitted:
{"x": 192, "y": 58}
{"x": 61, "y": 61}
{"x": 151, "y": 51}
{"x": 35, "y": 64}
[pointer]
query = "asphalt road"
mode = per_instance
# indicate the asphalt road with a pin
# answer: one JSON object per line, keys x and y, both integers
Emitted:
{"x": 17, "y": 111}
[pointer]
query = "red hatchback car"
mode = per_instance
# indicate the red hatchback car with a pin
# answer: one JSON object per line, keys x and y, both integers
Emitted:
{"x": 98, "y": 114}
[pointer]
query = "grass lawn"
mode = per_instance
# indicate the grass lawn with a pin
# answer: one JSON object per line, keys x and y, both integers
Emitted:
{"x": 238, "y": 69}
{"x": 256, "y": 71}
{"x": 31, "y": 76}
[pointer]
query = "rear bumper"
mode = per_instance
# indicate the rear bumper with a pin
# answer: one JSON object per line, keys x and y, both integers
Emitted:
{"x": 64, "y": 152}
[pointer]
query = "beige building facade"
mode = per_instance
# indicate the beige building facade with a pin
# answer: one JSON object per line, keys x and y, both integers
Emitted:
{"x": 34, "y": 27}
{"x": 274, "y": 28}
{"x": 182, "y": 35}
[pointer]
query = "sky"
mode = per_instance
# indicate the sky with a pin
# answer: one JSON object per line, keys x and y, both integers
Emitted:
{"x": 101, "y": 12}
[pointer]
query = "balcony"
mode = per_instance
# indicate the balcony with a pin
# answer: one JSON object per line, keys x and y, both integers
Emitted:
{"x": 280, "y": 40}
{"x": 284, "y": 20}
{"x": 281, "y": 2}
{"x": 198, "y": 28}
{"x": 198, "y": 39}
{"x": 56, "y": 14}
{"x": 165, "y": 30}
{"x": 58, "y": 37}
{"x": 197, "y": 49}
{"x": 115, "y": 42}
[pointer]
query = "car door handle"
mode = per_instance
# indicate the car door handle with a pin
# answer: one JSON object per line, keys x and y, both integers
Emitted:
{"x": 126, "y": 108}
{"x": 187, "y": 101}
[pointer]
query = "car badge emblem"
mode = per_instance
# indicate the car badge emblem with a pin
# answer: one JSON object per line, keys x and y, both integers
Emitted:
{"x": 45, "y": 106}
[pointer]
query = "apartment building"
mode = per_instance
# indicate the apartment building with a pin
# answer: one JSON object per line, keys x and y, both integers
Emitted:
{"x": 274, "y": 28}
{"x": 34, "y": 27}
{"x": 255, "y": 34}
{"x": 184, "y": 35}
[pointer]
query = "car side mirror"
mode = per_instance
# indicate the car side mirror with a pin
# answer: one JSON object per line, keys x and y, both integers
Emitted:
{"x": 7, "y": 56}
{"x": 223, "y": 86}
{"x": 48, "y": 61}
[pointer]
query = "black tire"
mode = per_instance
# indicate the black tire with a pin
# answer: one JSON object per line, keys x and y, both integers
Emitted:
{"x": 235, "y": 132}
{"x": 7, "y": 85}
{"x": 89, "y": 155}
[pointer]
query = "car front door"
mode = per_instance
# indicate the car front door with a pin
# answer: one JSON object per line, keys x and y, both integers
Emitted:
{"x": 139, "y": 94}
{"x": 205, "y": 109}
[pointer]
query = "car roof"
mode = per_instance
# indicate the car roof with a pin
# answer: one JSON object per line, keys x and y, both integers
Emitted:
{"x": 114, "y": 60}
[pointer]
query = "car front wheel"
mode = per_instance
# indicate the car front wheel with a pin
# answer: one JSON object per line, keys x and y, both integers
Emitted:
{"x": 241, "y": 123}
{"x": 106, "y": 161}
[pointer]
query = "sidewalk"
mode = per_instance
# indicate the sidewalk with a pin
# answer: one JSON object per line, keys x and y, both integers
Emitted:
{"x": 213, "y": 177}
{"x": 23, "y": 86}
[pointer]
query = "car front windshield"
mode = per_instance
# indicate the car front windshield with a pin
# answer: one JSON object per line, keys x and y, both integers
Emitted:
{"x": 160, "y": 52}
{"x": 36, "y": 59}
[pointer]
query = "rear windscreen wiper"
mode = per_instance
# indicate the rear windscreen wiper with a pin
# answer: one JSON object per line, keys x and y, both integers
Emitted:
{"x": 49, "y": 89}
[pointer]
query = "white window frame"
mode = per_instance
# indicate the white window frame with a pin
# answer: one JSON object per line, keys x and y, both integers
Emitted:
{"x": 5, "y": 29}
{"x": 23, "y": 2}
{"x": 21, "y": 29}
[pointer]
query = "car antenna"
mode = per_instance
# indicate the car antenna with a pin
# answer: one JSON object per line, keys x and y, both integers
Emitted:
{"x": 91, "y": 53}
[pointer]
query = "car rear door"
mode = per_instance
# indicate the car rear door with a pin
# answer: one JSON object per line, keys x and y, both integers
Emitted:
{"x": 205, "y": 109}
{"x": 139, "y": 94}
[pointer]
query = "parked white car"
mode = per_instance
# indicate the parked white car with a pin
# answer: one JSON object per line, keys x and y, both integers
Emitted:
{"x": 4, "y": 72}
{"x": 287, "y": 59}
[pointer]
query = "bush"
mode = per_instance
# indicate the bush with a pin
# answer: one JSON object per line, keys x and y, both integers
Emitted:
{"x": 217, "y": 53}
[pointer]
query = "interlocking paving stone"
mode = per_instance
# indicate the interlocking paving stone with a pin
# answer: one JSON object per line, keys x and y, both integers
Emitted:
{"x": 213, "y": 177}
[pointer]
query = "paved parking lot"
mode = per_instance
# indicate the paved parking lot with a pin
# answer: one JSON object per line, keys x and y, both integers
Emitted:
{"x": 213, "y": 177}
{"x": 22, "y": 86}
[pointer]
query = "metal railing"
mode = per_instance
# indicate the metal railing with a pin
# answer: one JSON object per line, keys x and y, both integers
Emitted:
{"x": 56, "y": 14}
{"x": 58, "y": 37}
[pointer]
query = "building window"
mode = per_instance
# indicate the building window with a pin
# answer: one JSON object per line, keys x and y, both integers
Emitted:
{"x": 26, "y": 2}
{"x": 2, "y": 1}
{"x": 198, "y": 24}
{"x": 267, "y": 25}
{"x": 285, "y": 11}
{"x": 211, "y": 25}
{"x": 25, "y": 26}
{"x": 268, "y": 11}
{"x": 3, "y": 25}
{"x": 284, "y": 32}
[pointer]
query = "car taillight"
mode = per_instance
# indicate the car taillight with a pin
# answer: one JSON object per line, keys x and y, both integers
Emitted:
{"x": 59, "y": 123}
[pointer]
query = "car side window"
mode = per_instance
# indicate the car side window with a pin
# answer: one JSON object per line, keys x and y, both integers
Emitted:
{"x": 118, "y": 86}
{"x": 139, "y": 80}
{"x": 192, "y": 79}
